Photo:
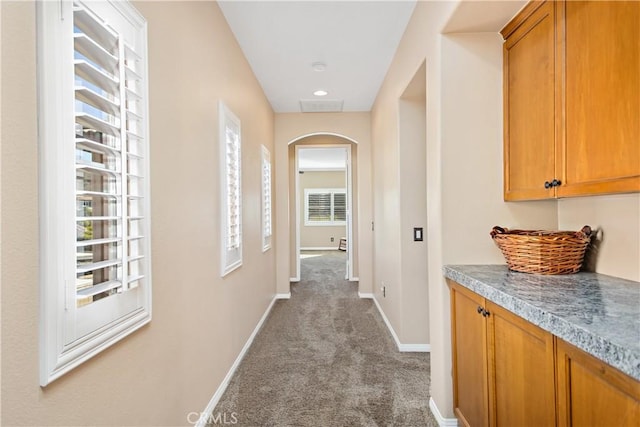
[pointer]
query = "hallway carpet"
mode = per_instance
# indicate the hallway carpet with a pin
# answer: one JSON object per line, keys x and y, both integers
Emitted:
{"x": 325, "y": 358}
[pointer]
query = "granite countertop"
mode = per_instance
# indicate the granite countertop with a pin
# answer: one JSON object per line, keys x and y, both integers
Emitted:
{"x": 597, "y": 313}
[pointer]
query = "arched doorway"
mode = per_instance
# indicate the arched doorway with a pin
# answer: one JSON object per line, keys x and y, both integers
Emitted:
{"x": 300, "y": 216}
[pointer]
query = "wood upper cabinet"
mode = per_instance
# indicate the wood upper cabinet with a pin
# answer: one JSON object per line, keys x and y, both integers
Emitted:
{"x": 601, "y": 148}
{"x": 529, "y": 104}
{"x": 503, "y": 366}
{"x": 572, "y": 99}
{"x": 591, "y": 393}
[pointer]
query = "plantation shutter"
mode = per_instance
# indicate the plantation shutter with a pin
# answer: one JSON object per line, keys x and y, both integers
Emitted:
{"x": 325, "y": 206}
{"x": 233, "y": 186}
{"x": 110, "y": 146}
{"x": 319, "y": 207}
{"x": 230, "y": 146}
{"x": 266, "y": 192}
{"x": 95, "y": 281}
{"x": 339, "y": 207}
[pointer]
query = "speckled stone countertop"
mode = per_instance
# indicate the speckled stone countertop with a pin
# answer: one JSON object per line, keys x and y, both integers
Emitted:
{"x": 597, "y": 313}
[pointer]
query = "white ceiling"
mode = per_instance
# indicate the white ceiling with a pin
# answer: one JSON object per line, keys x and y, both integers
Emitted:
{"x": 355, "y": 39}
{"x": 322, "y": 158}
{"x": 482, "y": 16}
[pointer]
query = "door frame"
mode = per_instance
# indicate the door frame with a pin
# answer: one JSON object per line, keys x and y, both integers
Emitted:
{"x": 349, "y": 186}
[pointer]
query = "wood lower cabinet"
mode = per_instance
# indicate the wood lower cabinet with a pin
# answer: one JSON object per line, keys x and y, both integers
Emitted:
{"x": 502, "y": 365}
{"x": 509, "y": 372}
{"x": 469, "y": 348}
{"x": 591, "y": 393}
{"x": 521, "y": 367}
{"x": 572, "y": 99}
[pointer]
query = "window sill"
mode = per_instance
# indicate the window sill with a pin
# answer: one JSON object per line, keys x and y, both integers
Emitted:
{"x": 325, "y": 224}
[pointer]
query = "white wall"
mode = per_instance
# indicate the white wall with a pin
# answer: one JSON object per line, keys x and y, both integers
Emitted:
{"x": 617, "y": 219}
{"x": 472, "y": 153}
{"x": 414, "y": 285}
{"x": 290, "y": 127}
{"x": 420, "y": 42}
{"x": 313, "y": 236}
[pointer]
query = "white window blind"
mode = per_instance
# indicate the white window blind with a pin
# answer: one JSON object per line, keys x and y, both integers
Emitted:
{"x": 319, "y": 207}
{"x": 325, "y": 206}
{"x": 233, "y": 185}
{"x": 266, "y": 199}
{"x": 231, "y": 189}
{"x": 339, "y": 207}
{"x": 93, "y": 120}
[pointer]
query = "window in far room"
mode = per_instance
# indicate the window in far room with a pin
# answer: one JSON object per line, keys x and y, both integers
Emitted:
{"x": 325, "y": 206}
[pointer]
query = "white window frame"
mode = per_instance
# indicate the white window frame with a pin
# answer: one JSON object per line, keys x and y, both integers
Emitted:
{"x": 267, "y": 203}
{"x": 70, "y": 335}
{"x": 230, "y": 190}
{"x": 333, "y": 192}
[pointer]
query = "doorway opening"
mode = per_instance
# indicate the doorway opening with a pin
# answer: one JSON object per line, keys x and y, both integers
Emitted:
{"x": 322, "y": 201}
{"x": 323, "y": 195}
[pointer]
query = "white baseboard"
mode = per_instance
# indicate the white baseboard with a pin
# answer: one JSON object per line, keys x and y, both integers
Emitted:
{"x": 294, "y": 279}
{"x": 318, "y": 248}
{"x": 364, "y": 295}
{"x": 386, "y": 322}
{"x": 205, "y": 415}
{"x": 283, "y": 296}
{"x": 415, "y": 348}
{"x": 354, "y": 279}
{"x": 442, "y": 421}
{"x": 401, "y": 347}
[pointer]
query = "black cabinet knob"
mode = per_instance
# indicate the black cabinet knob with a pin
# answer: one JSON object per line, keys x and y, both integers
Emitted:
{"x": 554, "y": 183}
{"x": 485, "y": 313}
{"x": 480, "y": 310}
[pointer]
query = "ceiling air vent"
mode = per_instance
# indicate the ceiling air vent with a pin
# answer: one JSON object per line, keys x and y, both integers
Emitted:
{"x": 321, "y": 105}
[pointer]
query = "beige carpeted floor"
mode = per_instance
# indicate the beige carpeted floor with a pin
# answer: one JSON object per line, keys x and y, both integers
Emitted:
{"x": 325, "y": 358}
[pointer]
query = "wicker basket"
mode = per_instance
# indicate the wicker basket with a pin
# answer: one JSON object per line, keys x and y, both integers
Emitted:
{"x": 543, "y": 252}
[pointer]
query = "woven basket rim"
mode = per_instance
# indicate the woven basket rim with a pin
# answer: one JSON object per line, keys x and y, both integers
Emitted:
{"x": 543, "y": 251}
{"x": 584, "y": 233}
{"x": 538, "y": 232}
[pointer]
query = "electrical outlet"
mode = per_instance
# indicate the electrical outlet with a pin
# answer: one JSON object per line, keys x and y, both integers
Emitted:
{"x": 332, "y": 239}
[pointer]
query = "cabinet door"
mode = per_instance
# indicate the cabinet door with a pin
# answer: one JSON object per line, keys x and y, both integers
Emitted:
{"x": 601, "y": 151}
{"x": 530, "y": 105}
{"x": 591, "y": 393}
{"x": 469, "y": 350}
{"x": 521, "y": 371}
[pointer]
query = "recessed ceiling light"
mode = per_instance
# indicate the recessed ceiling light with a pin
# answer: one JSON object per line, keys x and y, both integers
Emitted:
{"x": 319, "y": 66}
{"x": 320, "y": 92}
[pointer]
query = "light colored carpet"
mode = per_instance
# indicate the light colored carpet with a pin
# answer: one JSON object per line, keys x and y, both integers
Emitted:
{"x": 325, "y": 358}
